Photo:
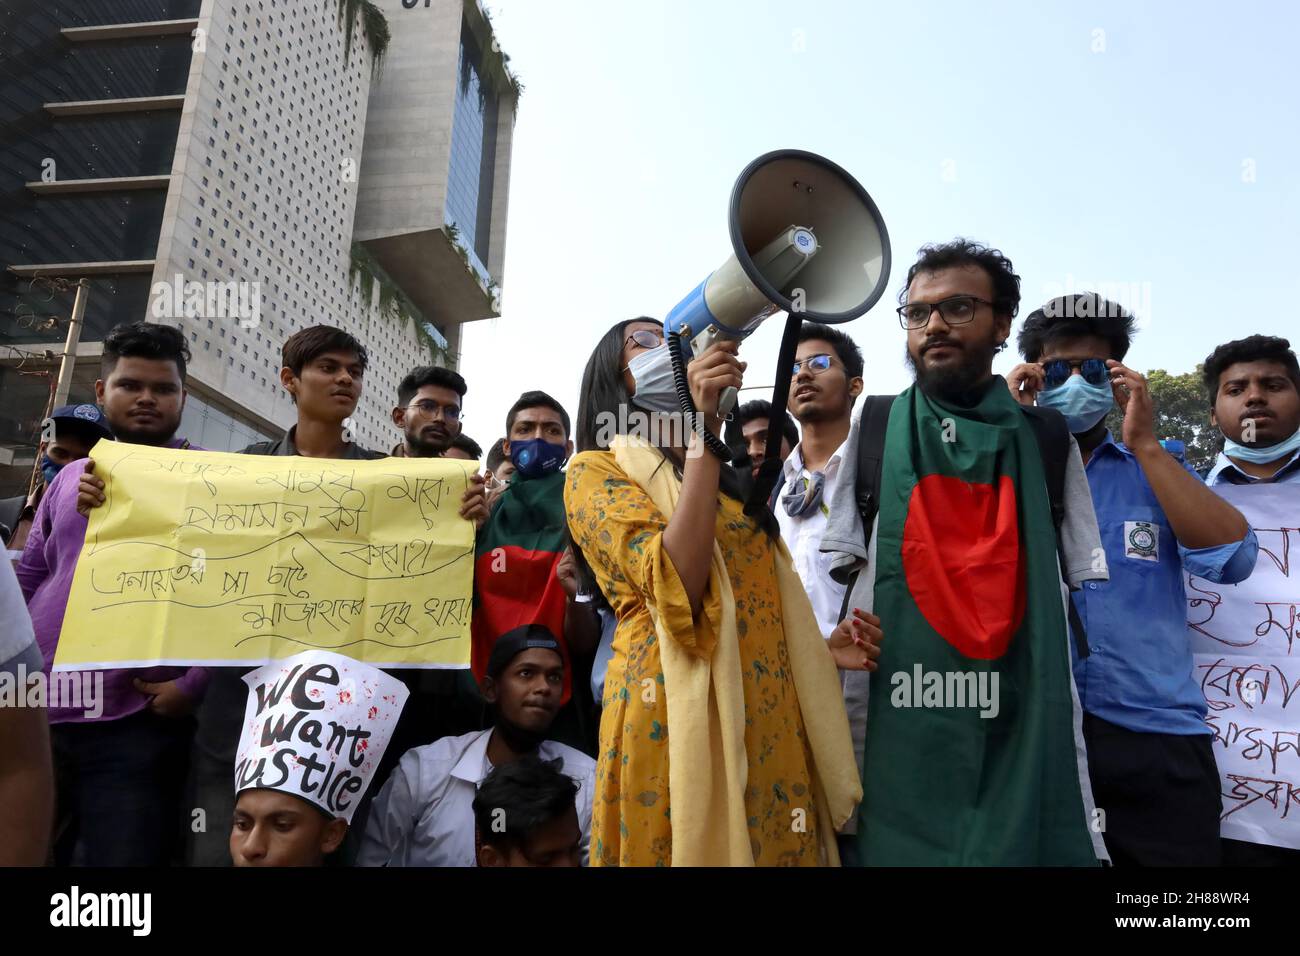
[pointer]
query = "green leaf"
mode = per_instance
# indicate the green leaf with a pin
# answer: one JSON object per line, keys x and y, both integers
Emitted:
{"x": 374, "y": 26}
{"x": 365, "y": 273}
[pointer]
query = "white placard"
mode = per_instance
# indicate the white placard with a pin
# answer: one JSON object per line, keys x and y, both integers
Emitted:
{"x": 1246, "y": 647}
{"x": 316, "y": 725}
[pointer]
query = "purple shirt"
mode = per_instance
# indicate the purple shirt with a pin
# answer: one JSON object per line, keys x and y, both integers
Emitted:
{"x": 45, "y": 573}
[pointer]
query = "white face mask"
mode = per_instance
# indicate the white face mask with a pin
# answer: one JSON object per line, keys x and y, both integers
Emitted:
{"x": 652, "y": 372}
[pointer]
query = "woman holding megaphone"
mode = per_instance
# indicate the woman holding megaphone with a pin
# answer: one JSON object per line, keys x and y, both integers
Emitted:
{"x": 723, "y": 739}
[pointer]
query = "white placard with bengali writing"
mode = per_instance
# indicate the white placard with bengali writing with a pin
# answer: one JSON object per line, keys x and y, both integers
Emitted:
{"x": 1246, "y": 647}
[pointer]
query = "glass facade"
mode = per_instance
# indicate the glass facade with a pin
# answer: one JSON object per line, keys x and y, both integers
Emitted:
{"x": 209, "y": 426}
{"x": 473, "y": 154}
{"x": 38, "y": 65}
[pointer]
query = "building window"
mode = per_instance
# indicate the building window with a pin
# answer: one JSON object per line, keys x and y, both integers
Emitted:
{"x": 473, "y": 152}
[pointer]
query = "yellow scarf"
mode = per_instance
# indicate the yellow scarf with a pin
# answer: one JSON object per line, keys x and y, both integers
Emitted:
{"x": 707, "y": 764}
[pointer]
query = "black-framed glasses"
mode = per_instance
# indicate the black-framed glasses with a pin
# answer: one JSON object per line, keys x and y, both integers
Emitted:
{"x": 816, "y": 364}
{"x": 955, "y": 310}
{"x": 1058, "y": 371}
{"x": 646, "y": 339}
{"x": 428, "y": 406}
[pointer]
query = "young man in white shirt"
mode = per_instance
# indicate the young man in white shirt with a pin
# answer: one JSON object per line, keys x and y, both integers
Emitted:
{"x": 826, "y": 382}
{"x": 424, "y": 815}
{"x": 827, "y": 379}
{"x": 1253, "y": 385}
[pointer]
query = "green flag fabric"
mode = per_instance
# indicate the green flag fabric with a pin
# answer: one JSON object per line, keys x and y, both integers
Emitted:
{"x": 970, "y": 748}
{"x": 515, "y": 555}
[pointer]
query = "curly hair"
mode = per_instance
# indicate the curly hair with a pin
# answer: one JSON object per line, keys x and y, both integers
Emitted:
{"x": 965, "y": 252}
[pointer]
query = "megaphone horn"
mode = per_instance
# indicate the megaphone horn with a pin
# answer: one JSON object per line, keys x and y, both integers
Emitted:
{"x": 806, "y": 239}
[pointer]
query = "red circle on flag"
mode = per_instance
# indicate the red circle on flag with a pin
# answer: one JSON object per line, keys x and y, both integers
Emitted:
{"x": 963, "y": 562}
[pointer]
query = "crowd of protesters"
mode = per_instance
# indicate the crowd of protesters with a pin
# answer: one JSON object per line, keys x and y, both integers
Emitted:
{"x": 664, "y": 677}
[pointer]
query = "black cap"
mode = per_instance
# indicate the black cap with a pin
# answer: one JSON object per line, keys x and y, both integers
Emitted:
{"x": 512, "y": 643}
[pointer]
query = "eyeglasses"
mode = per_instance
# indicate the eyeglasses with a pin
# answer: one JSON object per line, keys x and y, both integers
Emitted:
{"x": 1058, "y": 371}
{"x": 955, "y": 310}
{"x": 816, "y": 364}
{"x": 431, "y": 408}
{"x": 646, "y": 339}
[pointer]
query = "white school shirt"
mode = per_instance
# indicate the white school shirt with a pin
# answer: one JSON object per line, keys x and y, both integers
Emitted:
{"x": 424, "y": 815}
{"x": 803, "y": 536}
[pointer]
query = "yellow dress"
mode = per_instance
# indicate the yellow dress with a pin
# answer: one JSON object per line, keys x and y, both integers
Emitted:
{"x": 620, "y": 532}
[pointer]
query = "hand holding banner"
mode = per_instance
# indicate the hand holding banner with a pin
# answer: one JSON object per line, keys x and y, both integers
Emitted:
{"x": 222, "y": 559}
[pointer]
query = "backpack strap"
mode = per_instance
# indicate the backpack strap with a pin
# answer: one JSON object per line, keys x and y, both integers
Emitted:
{"x": 1053, "y": 436}
{"x": 871, "y": 458}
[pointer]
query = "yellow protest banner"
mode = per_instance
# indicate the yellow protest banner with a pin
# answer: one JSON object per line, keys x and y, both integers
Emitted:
{"x": 213, "y": 558}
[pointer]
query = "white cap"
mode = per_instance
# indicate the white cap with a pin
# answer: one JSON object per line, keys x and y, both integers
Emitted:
{"x": 316, "y": 726}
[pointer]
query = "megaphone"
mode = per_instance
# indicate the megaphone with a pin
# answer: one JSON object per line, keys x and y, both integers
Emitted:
{"x": 806, "y": 239}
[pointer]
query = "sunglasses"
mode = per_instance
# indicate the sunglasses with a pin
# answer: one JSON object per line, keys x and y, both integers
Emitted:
{"x": 645, "y": 339}
{"x": 816, "y": 364}
{"x": 1058, "y": 371}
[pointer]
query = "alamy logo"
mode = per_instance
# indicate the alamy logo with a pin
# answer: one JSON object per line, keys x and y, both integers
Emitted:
{"x": 73, "y": 909}
{"x": 66, "y": 690}
{"x": 662, "y": 429}
{"x": 946, "y": 689}
{"x": 212, "y": 300}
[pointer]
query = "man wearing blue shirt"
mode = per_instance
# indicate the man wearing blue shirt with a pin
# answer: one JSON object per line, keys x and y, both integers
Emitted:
{"x": 1253, "y": 385}
{"x": 1149, "y": 749}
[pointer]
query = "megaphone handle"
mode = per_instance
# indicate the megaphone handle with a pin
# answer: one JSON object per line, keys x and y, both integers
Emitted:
{"x": 711, "y": 441}
{"x": 727, "y": 400}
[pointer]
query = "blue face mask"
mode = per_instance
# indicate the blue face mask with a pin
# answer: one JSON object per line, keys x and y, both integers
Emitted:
{"x": 1083, "y": 405}
{"x": 49, "y": 468}
{"x": 1262, "y": 456}
{"x": 536, "y": 457}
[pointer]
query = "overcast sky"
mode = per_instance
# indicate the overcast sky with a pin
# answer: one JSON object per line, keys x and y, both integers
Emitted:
{"x": 1151, "y": 147}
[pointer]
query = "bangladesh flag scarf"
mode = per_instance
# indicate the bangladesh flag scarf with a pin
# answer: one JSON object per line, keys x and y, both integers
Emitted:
{"x": 970, "y": 751}
{"x": 515, "y": 555}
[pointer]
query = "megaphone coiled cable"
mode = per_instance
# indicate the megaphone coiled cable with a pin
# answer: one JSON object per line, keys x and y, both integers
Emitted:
{"x": 711, "y": 441}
